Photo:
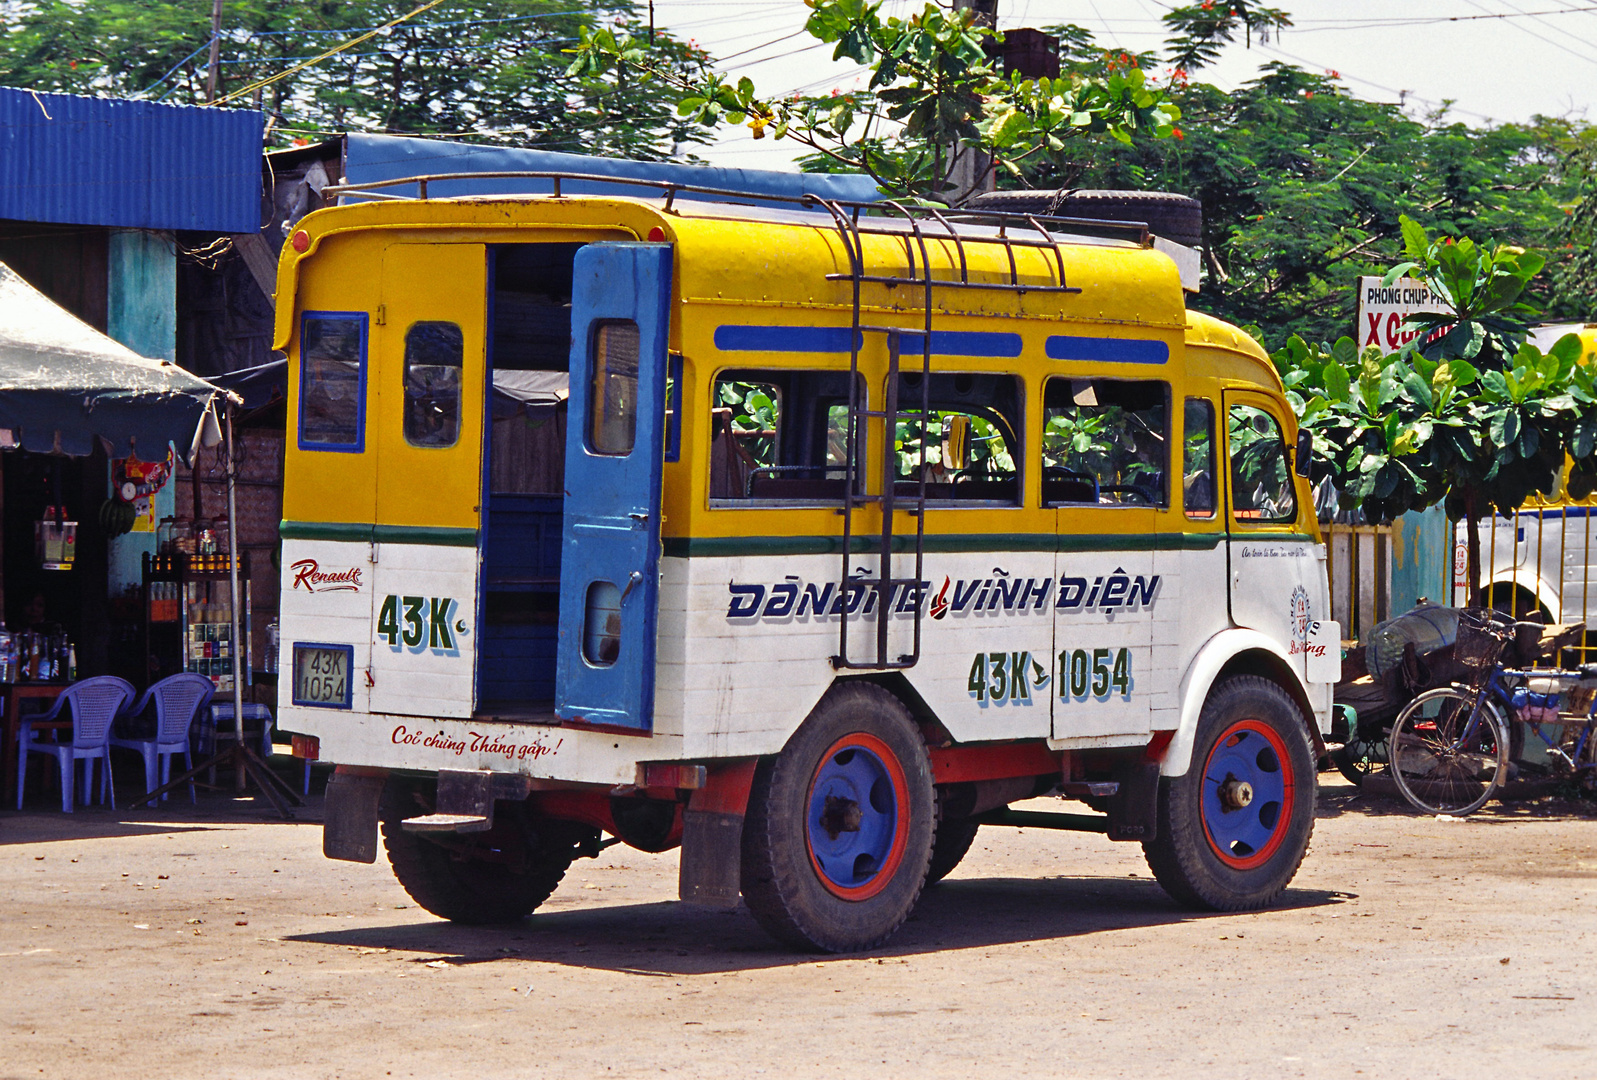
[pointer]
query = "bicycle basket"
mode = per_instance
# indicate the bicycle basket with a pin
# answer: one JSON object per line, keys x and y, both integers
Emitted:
{"x": 1480, "y": 640}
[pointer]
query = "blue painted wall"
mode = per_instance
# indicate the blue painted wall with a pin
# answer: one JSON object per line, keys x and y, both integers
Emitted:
{"x": 1422, "y": 559}
{"x": 141, "y": 313}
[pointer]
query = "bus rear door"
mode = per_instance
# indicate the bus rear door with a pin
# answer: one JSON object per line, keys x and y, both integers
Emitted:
{"x": 615, "y": 435}
{"x": 430, "y": 370}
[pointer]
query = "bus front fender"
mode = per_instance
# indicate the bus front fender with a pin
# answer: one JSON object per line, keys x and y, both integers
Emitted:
{"x": 1234, "y": 651}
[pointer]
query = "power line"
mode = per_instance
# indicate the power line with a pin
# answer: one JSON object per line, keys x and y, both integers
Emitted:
{"x": 1564, "y": 48}
{"x": 335, "y": 50}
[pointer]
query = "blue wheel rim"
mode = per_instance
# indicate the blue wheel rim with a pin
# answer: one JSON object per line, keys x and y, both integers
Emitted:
{"x": 1248, "y": 752}
{"x": 857, "y": 817}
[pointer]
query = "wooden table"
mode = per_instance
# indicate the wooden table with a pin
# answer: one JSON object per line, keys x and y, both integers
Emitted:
{"x": 12, "y": 695}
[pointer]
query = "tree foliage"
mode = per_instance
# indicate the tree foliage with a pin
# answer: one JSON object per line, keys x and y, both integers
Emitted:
{"x": 1199, "y": 32}
{"x": 934, "y": 94}
{"x": 485, "y": 70}
{"x": 1468, "y": 414}
{"x": 1303, "y": 184}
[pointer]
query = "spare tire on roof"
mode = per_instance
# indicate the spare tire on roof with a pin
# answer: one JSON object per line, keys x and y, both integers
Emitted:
{"x": 1175, "y": 217}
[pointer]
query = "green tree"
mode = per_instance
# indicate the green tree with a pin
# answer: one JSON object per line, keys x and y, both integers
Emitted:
{"x": 1469, "y": 414}
{"x": 934, "y": 96}
{"x": 1303, "y": 183}
{"x": 485, "y": 70}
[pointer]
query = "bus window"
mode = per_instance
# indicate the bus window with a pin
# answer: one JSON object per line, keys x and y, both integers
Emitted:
{"x": 332, "y": 381}
{"x": 613, "y": 405}
{"x": 434, "y": 353}
{"x": 1105, "y": 442}
{"x": 1197, "y": 470}
{"x": 1261, "y": 483}
{"x": 970, "y": 441}
{"x": 779, "y": 436}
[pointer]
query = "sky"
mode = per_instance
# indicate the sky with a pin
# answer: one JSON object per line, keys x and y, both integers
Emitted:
{"x": 1495, "y": 60}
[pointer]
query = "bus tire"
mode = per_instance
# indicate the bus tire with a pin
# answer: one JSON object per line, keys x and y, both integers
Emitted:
{"x": 838, "y": 835}
{"x": 1234, "y": 829}
{"x": 1175, "y": 217}
{"x": 476, "y": 879}
{"x": 952, "y": 843}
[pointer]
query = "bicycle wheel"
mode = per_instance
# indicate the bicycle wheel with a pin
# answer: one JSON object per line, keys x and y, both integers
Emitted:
{"x": 1447, "y": 756}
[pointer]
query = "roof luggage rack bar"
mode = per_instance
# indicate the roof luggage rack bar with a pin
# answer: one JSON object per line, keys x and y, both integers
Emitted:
{"x": 669, "y": 189}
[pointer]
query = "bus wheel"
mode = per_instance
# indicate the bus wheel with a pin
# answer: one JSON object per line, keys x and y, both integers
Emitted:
{"x": 497, "y": 876}
{"x": 838, "y": 834}
{"x": 1234, "y": 829}
{"x": 952, "y": 842}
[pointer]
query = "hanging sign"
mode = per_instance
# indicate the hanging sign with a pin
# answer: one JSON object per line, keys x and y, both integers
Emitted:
{"x": 1383, "y": 309}
{"x": 137, "y": 482}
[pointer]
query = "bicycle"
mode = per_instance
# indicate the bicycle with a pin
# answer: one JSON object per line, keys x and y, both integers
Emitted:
{"x": 1451, "y": 747}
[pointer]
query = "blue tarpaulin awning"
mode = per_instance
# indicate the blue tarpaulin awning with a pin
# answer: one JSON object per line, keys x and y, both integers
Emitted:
{"x": 372, "y": 158}
{"x": 64, "y": 384}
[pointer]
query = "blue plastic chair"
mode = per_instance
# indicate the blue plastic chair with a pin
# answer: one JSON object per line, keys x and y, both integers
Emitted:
{"x": 179, "y": 699}
{"x": 94, "y": 704}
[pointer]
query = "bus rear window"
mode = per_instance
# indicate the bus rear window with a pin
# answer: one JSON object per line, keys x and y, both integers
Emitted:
{"x": 1106, "y": 442}
{"x": 332, "y": 381}
{"x": 613, "y": 405}
{"x": 434, "y": 354}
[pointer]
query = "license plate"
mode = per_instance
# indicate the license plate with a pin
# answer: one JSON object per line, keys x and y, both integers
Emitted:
{"x": 321, "y": 675}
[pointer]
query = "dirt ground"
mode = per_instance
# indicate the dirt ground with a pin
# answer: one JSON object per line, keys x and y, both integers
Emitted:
{"x": 217, "y": 943}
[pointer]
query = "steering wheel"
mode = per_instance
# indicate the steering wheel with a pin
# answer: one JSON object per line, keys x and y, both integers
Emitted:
{"x": 1128, "y": 489}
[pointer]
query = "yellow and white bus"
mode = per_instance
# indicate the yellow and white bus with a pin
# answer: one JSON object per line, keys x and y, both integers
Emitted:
{"x": 806, "y": 539}
{"x": 1539, "y": 560}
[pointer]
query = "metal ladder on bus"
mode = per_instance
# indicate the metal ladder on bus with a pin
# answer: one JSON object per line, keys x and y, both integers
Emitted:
{"x": 881, "y": 591}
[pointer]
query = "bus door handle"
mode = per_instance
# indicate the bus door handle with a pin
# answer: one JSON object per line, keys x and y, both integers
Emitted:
{"x": 632, "y": 583}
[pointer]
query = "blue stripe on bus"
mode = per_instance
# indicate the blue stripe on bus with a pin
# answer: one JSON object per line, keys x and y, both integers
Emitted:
{"x": 834, "y": 339}
{"x": 1108, "y": 350}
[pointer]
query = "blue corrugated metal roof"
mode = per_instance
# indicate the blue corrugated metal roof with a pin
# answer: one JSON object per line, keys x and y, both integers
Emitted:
{"x": 134, "y": 164}
{"x": 369, "y": 158}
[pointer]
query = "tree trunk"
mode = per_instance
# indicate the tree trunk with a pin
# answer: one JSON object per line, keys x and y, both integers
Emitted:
{"x": 1474, "y": 534}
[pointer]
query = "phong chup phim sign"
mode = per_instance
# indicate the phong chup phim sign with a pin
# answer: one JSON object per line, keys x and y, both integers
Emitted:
{"x": 1383, "y": 310}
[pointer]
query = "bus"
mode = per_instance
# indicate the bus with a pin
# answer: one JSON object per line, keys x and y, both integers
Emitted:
{"x": 1538, "y": 561}
{"x": 804, "y": 538}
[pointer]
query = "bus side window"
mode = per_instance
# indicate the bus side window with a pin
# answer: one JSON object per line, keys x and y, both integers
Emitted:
{"x": 779, "y": 436}
{"x": 1105, "y": 442}
{"x": 1197, "y": 471}
{"x": 434, "y": 353}
{"x": 332, "y": 381}
{"x": 971, "y": 443}
{"x": 1261, "y": 482}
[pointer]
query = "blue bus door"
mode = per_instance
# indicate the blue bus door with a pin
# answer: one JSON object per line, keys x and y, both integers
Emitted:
{"x": 610, "y": 550}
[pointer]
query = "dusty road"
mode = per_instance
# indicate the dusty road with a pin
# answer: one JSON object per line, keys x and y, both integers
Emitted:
{"x": 215, "y": 944}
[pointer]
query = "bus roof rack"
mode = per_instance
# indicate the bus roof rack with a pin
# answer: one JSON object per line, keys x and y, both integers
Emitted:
{"x": 1135, "y": 231}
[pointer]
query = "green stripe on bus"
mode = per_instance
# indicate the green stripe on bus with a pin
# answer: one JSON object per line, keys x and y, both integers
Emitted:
{"x": 684, "y": 547}
{"x": 351, "y": 532}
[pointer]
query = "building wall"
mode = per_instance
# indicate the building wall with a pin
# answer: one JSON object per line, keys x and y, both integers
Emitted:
{"x": 141, "y": 313}
{"x": 68, "y": 263}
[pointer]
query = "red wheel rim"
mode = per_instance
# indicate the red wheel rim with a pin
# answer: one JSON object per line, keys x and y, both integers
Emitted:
{"x": 861, "y": 770}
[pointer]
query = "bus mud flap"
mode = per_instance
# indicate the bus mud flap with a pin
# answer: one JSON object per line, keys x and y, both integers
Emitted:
{"x": 1134, "y": 808}
{"x": 349, "y": 813}
{"x": 712, "y": 836}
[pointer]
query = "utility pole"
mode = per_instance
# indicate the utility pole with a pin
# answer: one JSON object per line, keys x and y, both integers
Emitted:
{"x": 986, "y": 11}
{"x": 970, "y": 171}
{"x": 216, "y": 51}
